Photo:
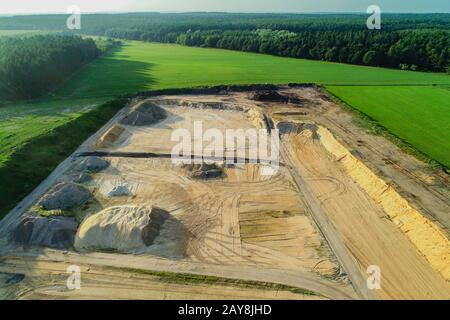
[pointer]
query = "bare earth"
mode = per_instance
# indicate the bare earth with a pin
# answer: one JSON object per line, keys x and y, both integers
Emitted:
{"x": 342, "y": 200}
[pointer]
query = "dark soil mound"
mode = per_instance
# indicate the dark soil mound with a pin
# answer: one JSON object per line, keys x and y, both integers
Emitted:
{"x": 53, "y": 232}
{"x": 157, "y": 218}
{"x": 269, "y": 96}
{"x": 205, "y": 171}
{"x": 93, "y": 164}
{"x": 64, "y": 196}
{"x": 274, "y": 96}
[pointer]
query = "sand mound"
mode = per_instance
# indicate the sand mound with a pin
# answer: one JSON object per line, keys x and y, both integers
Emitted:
{"x": 287, "y": 127}
{"x": 65, "y": 195}
{"x": 428, "y": 238}
{"x": 124, "y": 228}
{"x": 144, "y": 114}
{"x": 204, "y": 170}
{"x": 93, "y": 164}
{"x": 53, "y": 232}
{"x": 110, "y": 137}
{"x": 257, "y": 118}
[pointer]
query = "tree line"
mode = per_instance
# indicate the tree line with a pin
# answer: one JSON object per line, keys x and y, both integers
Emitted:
{"x": 406, "y": 41}
{"x": 414, "y": 50}
{"x": 30, "y": 66}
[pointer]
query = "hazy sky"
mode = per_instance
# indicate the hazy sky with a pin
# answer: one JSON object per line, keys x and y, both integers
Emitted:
{"x": 59, "y": 6}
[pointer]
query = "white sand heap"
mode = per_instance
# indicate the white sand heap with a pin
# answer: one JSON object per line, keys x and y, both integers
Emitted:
{"x": 122, "y": 228}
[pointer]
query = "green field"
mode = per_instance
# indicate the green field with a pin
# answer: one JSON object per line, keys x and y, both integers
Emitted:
{"x": 21, "y": 122}
{"x": 144, "y": 66}
{"x": 417, "y": 115}
{"x": 11, "y": 33}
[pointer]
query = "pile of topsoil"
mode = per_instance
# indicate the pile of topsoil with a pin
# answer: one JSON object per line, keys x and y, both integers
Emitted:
{"x": 53, "y": 232}
{"x": 64, "y": 196}
{"x": 273, "y": 96}
{"x": 144, "y": 114}
{"x": 44, "y": 224}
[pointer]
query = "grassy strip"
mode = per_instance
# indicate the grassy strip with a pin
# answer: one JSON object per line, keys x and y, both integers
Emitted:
{"x": 374, "y": 127}
{"x": 186, "y": 278}
{"x": 36, "y": 159}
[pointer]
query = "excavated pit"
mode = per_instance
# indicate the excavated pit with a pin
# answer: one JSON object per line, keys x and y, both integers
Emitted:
{"x": 321, "y": 211}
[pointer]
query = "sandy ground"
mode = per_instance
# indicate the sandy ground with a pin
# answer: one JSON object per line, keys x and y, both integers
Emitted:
{"x": 306, "y": 226}
{"x": 47, "y": 280}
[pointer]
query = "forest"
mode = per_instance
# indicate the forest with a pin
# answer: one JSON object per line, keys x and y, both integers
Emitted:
{"x": 405, "y": 41}
{"x": 31, "y": 66}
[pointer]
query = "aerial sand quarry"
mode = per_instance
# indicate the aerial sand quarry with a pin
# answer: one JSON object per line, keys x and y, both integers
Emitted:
{"x": 141, "y": 225}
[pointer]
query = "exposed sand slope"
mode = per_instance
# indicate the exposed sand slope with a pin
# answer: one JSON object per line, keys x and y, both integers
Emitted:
{"x": 430, "y": 240}
{"x": 369, "y": 237}
{"x": 244, "y": 225}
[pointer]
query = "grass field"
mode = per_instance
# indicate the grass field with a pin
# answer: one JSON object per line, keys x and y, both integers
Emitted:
{"x": 11, "y": 33}
{"x": 143, "y": 66}
{"x": 417, "y": 115}
{"x": 420, "y": 115}
{"x": 21, "y": 122}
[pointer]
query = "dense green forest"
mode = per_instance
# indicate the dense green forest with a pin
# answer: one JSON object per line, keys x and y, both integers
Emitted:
{"x": 33, "y": 65}
{"x": 413, "y": 50}
{"x": 406, "y": 41}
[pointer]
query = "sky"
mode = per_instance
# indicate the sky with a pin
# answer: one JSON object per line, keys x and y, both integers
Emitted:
{"x": 60, "y": 6}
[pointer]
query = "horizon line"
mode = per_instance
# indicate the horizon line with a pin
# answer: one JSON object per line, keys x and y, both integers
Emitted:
{"x": 223, "y": 12}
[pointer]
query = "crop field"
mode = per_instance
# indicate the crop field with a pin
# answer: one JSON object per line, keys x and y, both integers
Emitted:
{"x": 144, "y": 66}
{"x": 417, "y": 115}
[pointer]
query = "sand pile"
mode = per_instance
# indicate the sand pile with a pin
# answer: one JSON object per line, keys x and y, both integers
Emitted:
{"x": 111, "y": 136}
{"x": 204, "y": 170}
{"x": 123, "y": 228}
{"x": 64, "y": 196}
{"x": 53, "y": 232}
{"x": 257, "y": 118}
{"x": 287, "y": 127}
{"x": 144, "y": 114}
{"x": 428, "y": 238}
